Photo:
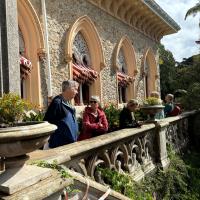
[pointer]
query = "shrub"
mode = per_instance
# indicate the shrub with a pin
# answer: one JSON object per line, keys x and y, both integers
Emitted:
{"x": 140, "y": 115}
{"x": 192, "y": 99}
{"x": 12, "y": 108}
{"x": 181, "y": 180}
{"x": 152, "y": 101}
{"x": 32, "y": 115}
{"x": 112, "y": 115}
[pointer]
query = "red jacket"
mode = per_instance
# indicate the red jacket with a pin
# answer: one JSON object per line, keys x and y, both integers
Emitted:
{"x": 91, "y": 123}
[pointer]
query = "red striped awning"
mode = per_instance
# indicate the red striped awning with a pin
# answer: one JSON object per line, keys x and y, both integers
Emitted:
{"x": 123, "y": 79}
{"x": 25, "y": 67}
{"x": 83, "y": 74}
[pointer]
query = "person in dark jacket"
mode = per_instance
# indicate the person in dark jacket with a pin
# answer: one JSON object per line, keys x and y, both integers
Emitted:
{"x": 126, "y": 117}
{"x": 61, "y": 113}
{"x": 94, "y": 120}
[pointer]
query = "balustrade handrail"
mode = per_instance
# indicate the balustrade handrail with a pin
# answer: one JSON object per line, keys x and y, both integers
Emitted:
{"x": 115, "y": 136}
{"x": 80, "y": 147}
{"x": 136, "y": 151}
{"x": 102, "y": 140}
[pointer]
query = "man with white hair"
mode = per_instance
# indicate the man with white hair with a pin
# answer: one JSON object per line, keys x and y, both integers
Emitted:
{"x": 61, "y": 113}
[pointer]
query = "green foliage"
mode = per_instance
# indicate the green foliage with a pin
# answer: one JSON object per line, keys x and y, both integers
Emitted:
{"x": 192, "y": 99}
{"x": 54, "y": 165}
{"x": 184, "y": 75}
{"x": 187, "y": 75}
{"x": 63, "y": 173}
{"x": 152, "y": 101}
{"x": 180, "y": 181}
{"x": 176, "y": 181}
{"x": 12, "y": 108}
{"x": 124, "y": 184}
{"x": 193, "y": 11}
{"x": 140, "y": 115}
{"x": 167, "y": 71}
{"x": 112, "y": 115}
{"x": 31, "y": 116}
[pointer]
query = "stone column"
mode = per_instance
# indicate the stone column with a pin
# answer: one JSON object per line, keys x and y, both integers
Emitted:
{"x": 162, "y": 144}
{"x": 9, "y": 47}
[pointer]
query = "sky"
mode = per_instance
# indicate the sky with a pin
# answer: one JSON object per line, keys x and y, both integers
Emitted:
{"x": 181, "y": 44}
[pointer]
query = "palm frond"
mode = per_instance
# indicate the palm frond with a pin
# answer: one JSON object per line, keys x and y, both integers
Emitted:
{"x": 193, "y": 11}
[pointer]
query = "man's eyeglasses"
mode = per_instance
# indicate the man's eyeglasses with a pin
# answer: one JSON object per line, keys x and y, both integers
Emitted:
{"x": 93, "y": 101}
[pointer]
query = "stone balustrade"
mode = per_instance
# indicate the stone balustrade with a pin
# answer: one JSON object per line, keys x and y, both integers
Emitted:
{"x": 136, "y": 151}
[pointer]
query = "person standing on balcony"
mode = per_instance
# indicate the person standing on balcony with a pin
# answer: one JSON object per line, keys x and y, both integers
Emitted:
{"x": 126, "y": 117}
{"x": 61, "y": 113}
{"x": 170, "y": 108}
{"x": 94, "y": 120}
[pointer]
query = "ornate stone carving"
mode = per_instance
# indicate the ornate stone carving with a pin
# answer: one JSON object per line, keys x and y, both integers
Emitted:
{"x": 177, "y": 134}
{"x": 134, "y": 156}
{"x": 41, "y": 53}
{"x": 132, "y": 12}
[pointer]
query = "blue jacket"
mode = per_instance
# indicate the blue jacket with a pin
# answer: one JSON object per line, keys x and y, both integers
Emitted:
{"x": 63, "y": 116}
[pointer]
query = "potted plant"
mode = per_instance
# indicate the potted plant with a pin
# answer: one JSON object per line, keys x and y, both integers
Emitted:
{"x": 112, "y": 115}
{"x": 151, "y": 106}
{"x": 17, "y": 138}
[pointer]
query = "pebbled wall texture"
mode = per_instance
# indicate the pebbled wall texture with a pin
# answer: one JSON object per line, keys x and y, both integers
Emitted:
{"x": 62, "y": 13}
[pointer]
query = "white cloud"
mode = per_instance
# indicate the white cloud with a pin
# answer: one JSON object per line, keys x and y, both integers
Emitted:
{"x": 181, "y": 44}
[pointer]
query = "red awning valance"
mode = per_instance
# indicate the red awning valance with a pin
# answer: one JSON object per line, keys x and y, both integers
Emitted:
{"x": 83, "y": 74}
{"x": 25, "y": 67}
{"x": 123, "y": 79}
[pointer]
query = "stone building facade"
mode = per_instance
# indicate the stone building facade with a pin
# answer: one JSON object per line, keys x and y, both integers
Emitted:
{"x": 109, "y": 46}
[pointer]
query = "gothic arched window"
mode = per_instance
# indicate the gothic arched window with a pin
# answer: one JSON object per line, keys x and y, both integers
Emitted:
{"x": 82, "y": 69}
{"x": 83, "y": 42}
{"x": 125, "y": 67}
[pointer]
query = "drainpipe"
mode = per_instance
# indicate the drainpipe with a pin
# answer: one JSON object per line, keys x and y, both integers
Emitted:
{"x": 48, "y": 65}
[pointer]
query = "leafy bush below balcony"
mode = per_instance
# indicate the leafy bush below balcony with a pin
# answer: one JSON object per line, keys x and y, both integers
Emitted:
{"x": 180, "y": 181}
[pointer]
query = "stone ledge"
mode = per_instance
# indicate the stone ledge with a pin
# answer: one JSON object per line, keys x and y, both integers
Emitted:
{"x": 41, "y": 190}
{"x": 16, "y": 179}
{"x": 49, "y": 156}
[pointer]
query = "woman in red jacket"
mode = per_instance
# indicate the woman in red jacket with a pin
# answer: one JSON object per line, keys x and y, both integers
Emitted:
{"x": 94, "y": 120}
